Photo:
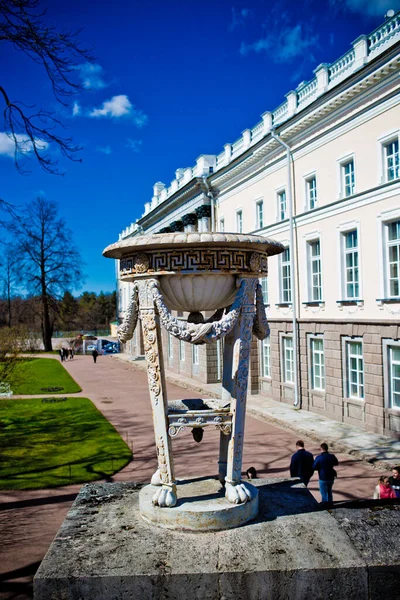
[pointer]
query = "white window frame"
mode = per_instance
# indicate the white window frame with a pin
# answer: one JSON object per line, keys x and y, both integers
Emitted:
{"x": 316, "y": 359}
{"x": 311, "y": 194}
{"x": 348, "y": 361}
{"x": 287, "y": 358}
{"x": 284, "y": 265}
{"x": 222, "y": 224}
{"x": 281, "y": 214}
{"x": 170, "y": 347}
{"x": 181, "y": 351}
{"x": 383, "y": 143}
{"x": 342, "y": 162}
{"x": 343, "y": 230}
{"x": 265, "y": 290}
{"x": 195, "y": 355}
{"x": 386, "y": 259}
{"x": 239, "y": 221}
{"x": 265, "y": 355}
{"x": 311, "y": 260}
{"x": 260, "y": 213}
{"x": 383, "y": 220}
{"x": 387, "y": 346}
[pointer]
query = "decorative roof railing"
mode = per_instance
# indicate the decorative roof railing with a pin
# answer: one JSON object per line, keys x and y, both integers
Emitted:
{"x": 384, "y": 34}
{"x": 364, "y": 49}
{"x": 280, "y": 113}
{"x": 339, "y": 69}
{"x": 307, "y": 92}
{"x": 257, "y": 131}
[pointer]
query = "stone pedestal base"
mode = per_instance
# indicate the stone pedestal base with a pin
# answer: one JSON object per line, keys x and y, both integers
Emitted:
{"x": 106, "y": 551}
{"x": 201, "y": 506}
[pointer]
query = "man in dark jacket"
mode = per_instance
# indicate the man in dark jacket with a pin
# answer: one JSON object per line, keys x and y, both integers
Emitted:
{"x": 324, "y": 464}
{"x": 301, "y": 464}
{"x": 394, "y": 481}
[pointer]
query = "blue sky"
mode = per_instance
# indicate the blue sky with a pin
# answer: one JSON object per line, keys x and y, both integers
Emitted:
{"x": 171, "y": 80}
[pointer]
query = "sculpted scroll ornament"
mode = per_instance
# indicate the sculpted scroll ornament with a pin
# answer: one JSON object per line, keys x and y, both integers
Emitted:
{"x": 126, "y": 329}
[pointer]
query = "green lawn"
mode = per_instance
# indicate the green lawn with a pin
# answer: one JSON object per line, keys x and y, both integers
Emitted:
{"x": 51, "y": 442}
{"x": 42, "y": 376}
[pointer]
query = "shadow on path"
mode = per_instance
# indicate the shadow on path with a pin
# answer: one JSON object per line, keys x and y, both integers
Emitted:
{"x": 37, "y": 501}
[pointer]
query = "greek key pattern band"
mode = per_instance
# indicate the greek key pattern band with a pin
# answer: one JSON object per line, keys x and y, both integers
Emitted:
{"x": 195, "y": 260}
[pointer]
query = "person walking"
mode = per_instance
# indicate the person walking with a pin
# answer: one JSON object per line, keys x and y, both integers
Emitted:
{"x": 301, "y": 463}
{"x": 383, "y": 489}
{"x": 95, "y": 355}
{"x": 61, "y": 353}
{"x": 394, "y": 481}
{"x": 324, "y": 464}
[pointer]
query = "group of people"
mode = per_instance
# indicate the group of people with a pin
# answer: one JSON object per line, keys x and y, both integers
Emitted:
{"x": 303, "y": 465}
{"x": 388, "y": 487}
{"x": 66, "y": 353}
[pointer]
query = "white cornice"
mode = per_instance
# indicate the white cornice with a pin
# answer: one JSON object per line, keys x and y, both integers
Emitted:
{"x": 336, "y": 130}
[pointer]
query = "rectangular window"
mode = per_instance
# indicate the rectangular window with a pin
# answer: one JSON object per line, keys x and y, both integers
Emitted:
{"x": 286, "y": 291}
{"x": 348, "y": 178}
{"x": 394, "y": 376}
{"x": 264, "y": 288}
{"x": 181, "y": 350}
{"x": 393, "y": 259}
{"x": 260, "y": 214}
{"x": 222, "y": 224}
{"x": 239, "y": 221}
{"x": 317, "y": 363}
{"x": 315, "y": 271}
{"x": 170, "y": 347}
{"x": 287, "y": 358}
{"x": 351, "y": 284}
{"x": 195, "y": 354}
{"x": 282, "y": 205}
{"x": 311, "y": 187}
{"x": 391, "y": 160}
{"x": 355, "y": 370}
{"x": 266, "y": 357}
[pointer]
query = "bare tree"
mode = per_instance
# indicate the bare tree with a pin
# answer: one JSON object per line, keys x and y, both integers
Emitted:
{"x": 8, "y": 277}
{"x": 49, "y": 262}
{"x": 24, "y": 26}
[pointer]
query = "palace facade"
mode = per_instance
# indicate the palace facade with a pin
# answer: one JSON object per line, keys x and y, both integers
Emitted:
{"x": 320, "y": 174}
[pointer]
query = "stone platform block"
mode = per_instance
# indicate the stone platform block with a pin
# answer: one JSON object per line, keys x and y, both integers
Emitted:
{"x": 292, "y": 551}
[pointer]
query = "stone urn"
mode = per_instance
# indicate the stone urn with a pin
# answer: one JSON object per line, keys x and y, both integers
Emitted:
{"x": 195, "y": 273}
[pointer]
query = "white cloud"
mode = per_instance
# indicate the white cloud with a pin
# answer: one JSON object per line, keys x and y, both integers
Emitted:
{"x": 104, "y": 149}
{"x": 91, "y": 76}
{"x": 134, "y": 145}
{"x": 373, "y": 8}
{"x": 7, "y": 144}
{"x": 285, "y": 44}
{"x": 238, "y": 17}
{"x": 120, "y": 106}
{"x": 76, "y": 109}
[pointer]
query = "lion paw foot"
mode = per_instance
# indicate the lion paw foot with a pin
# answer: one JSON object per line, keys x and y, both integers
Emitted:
{"x": 164, "y": 497}
{"x": 237, "y": 494}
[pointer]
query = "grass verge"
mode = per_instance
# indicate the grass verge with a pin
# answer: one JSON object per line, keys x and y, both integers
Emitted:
{"x": 42, "y": 376}
{"x": 51, "y": 442}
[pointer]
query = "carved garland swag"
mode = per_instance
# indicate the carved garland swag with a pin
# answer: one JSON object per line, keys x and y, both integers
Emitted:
{"x": 216, "y": 327}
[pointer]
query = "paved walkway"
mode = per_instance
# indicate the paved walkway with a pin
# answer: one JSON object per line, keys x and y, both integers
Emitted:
{"x": 373, "y": 448}
{"x": 29, "y": 520}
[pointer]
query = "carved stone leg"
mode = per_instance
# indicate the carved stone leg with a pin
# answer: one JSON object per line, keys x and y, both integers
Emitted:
{"x": 164, "y": 476}
{"x": 239, "y": 347}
